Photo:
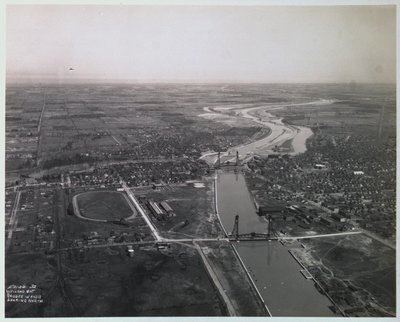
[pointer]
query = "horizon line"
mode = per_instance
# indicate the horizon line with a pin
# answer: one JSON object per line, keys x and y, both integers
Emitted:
{"x": 56, "y": 81}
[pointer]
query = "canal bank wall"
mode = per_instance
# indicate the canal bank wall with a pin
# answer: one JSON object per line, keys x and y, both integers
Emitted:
{"x": 216, "y": 205}
{"x": 258, "y": 295}
{"x": 215, "y": 281}
{"x": 317, "y": 283}
{"x": 251, "y": 280}
{"x": 273, "y": 273}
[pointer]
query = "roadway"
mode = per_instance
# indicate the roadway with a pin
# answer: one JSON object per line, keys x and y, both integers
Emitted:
{"x": 321, "y": 235}
{"x": 115, "y": 139}
{"x": 383, "y": 241}
{"x": 39, "y": 129}
{"x": 195, "y": 240}
{"x": 13, "y": 219}
{"x": 153, "y": 229}
{"x": 141, "y": 243}
{"x": 147, "y": 242}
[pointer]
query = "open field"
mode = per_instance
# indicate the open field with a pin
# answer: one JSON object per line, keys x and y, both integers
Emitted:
{"x": 106, "y": 282}
{"x": 92, "y": 122}
{"x": 25, "y": 269}
{"x": 81, "y": 232}
{"x": 358, "y": 272}
{"x": 104, "y": 205}
{"x": 193, "y": 208}
{"x": 353, "y": 110}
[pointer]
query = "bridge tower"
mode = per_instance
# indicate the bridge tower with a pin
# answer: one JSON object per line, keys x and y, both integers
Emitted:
{"x": 269, "y": 226}
{"x": 235, "y": 230}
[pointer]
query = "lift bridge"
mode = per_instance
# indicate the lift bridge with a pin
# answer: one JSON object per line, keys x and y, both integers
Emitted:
{"x": 218, "y": 163}
{"x": 236, "y": 236}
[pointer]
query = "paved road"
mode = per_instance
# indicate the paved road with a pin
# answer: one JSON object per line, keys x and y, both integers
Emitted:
{"x": 215, "y": 240}
{"x": 13, "y": 219}
{"x": 321, "y": 235}
{"x": 383, "y": 241}
{"x": 115, "y": 139}
{"x": 153, "y": 229}
{"x": 150, "y": 242}
{"x": 39, "y": 129}
{"x": 196, "y": 240}
{"x": 41, "y": 114}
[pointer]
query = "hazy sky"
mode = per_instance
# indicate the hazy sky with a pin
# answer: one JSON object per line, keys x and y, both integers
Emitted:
{"x": 189, "y": 43}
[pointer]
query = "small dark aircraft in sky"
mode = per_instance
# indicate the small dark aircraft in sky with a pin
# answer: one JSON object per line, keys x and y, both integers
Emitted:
{"x": 71, "y": 68}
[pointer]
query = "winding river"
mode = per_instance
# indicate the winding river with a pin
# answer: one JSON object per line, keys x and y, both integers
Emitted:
{"x": 279, "y": 131}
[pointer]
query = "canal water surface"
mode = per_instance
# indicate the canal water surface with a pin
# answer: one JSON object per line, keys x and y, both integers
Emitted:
{"x": 286, "y": 292}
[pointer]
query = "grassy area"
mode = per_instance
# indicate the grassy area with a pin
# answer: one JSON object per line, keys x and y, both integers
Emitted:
{"x": 234, "y": 280}
{"x": 106, "y": 282}
{"x": 105, "y": 205}
{"x": 356, "y": 270}
{"x": 25, "y": 269}
{"x": 193, "y": 208}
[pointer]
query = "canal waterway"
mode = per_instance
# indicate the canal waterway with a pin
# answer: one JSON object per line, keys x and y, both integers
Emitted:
{"x": 235, "y": 199}
{"x": 276, "y": 274}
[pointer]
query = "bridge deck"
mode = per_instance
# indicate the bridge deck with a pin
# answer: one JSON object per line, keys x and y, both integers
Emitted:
{"x": 250, "y": 237}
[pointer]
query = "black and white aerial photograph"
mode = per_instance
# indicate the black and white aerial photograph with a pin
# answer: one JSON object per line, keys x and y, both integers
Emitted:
{"x": 199, "y": 160}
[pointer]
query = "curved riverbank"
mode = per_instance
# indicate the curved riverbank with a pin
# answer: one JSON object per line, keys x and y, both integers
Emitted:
{"x": 279, "y": 132}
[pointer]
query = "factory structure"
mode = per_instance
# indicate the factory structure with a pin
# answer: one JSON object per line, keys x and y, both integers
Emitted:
{"x": 160, "y": 210}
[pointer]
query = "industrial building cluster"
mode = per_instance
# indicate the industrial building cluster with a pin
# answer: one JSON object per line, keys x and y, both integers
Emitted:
{"x": 350, "y": 179}
{"x": 160, "y": 210}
